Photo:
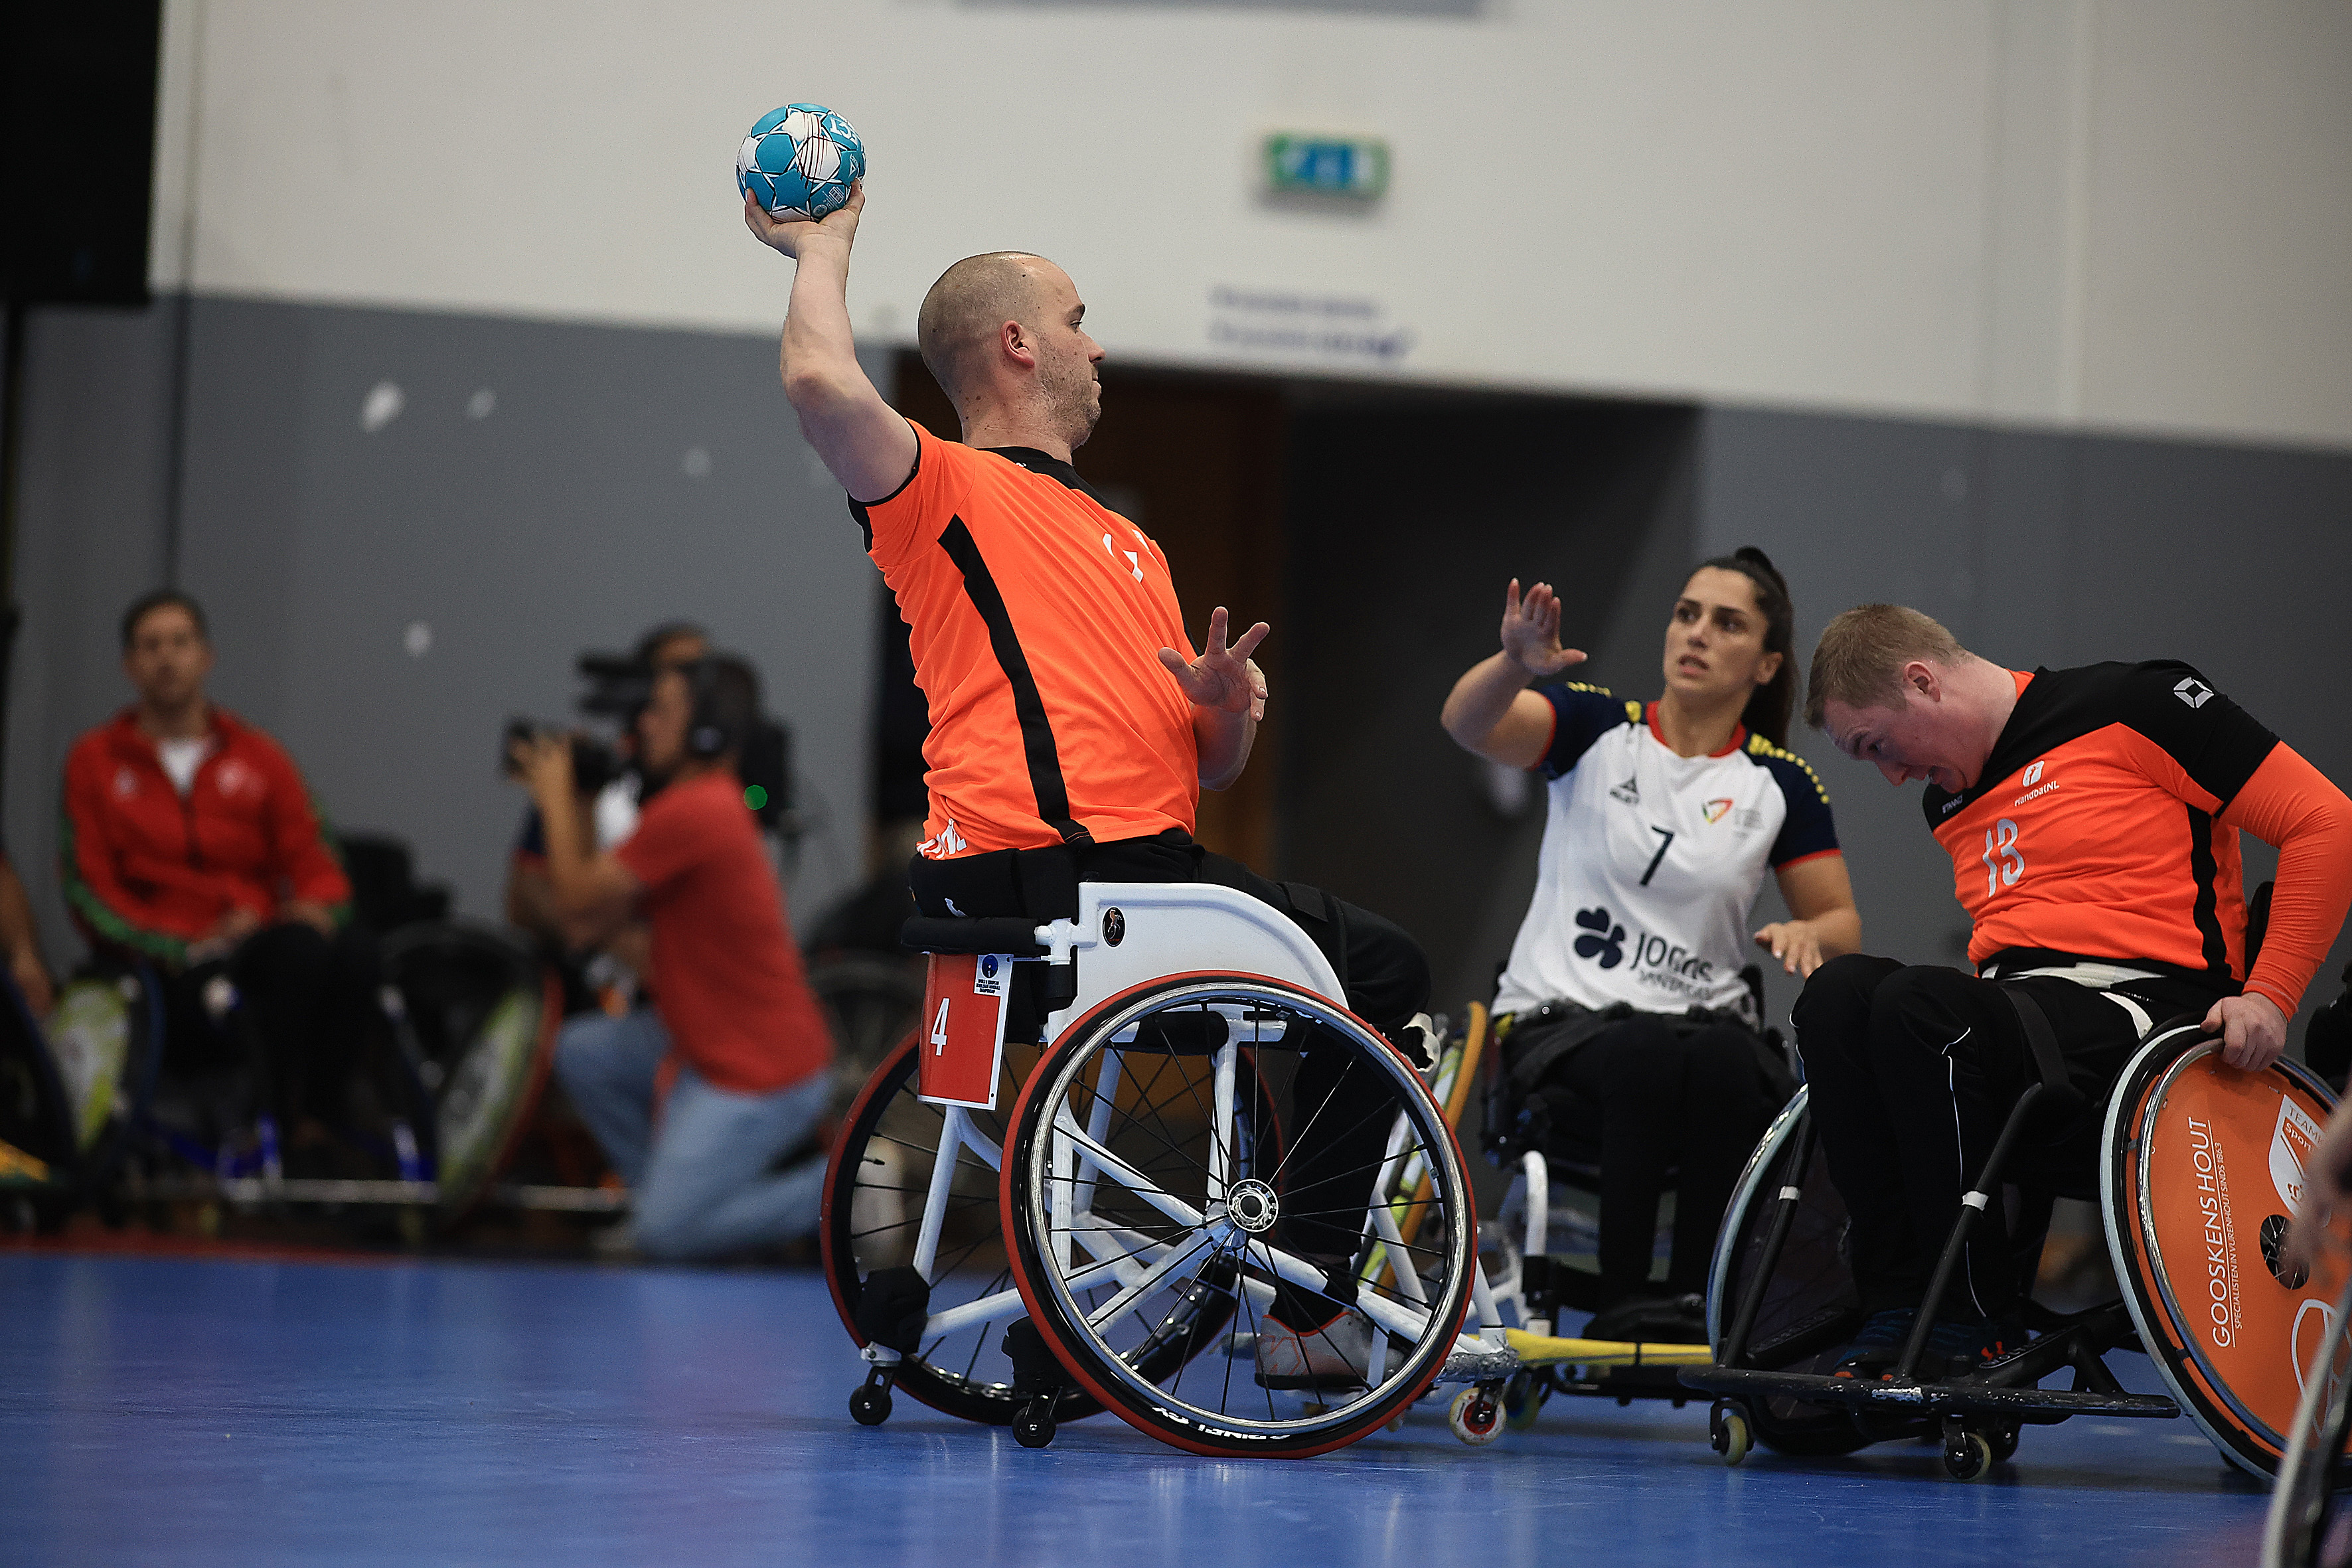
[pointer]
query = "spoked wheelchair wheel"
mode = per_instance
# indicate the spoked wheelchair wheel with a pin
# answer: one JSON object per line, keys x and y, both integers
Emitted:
{"x": 877, "y": 1192}
{"x": 1810, "y": 1307}
{"x": 2305, "y": 1528}
{"x": 104, "y": 1034}
{"x": 2203, "y": 1165}
{"x": 1149, "y": 1197}
{"x": 479, "y": 1014}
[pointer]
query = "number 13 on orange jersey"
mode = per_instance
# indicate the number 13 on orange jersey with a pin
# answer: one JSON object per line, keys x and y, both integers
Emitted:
{"x": 2003, "y": 864}
{"x": 964, "y": 1000}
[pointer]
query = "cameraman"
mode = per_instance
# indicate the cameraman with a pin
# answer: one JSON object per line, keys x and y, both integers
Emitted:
{"x": 613, "y": 810}
{"x": 734, "y": 1050}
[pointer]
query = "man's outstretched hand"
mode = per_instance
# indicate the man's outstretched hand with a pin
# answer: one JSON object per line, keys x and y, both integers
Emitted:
{"x": 1531, "y": 631}
{"x": 789, "y": 234}
{"x": 1222, "y": 678}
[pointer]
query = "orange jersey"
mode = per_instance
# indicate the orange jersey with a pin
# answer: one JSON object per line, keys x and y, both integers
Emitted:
{"x": 1037, "y": 614}
{"x": 2105, "y": 824}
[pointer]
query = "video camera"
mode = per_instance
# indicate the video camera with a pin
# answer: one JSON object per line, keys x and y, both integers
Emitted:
{"x": 618, "y": 688}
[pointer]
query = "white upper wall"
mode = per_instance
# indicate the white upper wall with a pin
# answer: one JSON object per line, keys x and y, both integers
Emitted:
{"x": 2128, "y": 215}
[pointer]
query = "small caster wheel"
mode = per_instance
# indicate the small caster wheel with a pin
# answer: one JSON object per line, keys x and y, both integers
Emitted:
{"x": 1474, "y": 1416}
{"x": 2003, "y": 1442}
{"x": 1033, "y": 1428}
{"x": 1395, "y": 1423}
{"x": 1523, "y": 1401}
{"x": 1967, "y": 1457}
{"x": 869, "y": 1403}
{"x": 1729, "y": 1434}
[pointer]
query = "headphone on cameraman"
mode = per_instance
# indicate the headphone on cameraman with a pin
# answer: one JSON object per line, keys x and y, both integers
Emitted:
{"x": 711, "y": 730}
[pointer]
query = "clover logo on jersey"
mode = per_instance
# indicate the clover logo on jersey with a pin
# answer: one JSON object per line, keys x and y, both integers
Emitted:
{"x": 1601, "y": 939}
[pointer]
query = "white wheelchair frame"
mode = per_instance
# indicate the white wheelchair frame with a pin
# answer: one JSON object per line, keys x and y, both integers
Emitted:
{"x": 1127, "y": 934}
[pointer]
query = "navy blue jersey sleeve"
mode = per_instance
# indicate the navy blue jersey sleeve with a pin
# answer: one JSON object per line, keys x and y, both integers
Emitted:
{"x": 1807, "y": 830}
{"x": 1581, "y": 714}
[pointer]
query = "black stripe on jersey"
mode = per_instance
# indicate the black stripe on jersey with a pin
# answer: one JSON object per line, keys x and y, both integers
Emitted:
{"x": 1036, "y": 731}
{"x": 2202, "y": 867}
{"x": 2217, "y": 744}
{"x": 1053, "y": 467}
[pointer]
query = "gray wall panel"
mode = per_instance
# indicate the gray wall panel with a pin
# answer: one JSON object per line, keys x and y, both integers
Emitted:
{"x": 567, "y": 515}
{"x": 89, "y": 538}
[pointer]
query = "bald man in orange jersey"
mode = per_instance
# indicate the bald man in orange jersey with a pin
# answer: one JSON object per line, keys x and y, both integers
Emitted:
{"x": 1072, "y": 729}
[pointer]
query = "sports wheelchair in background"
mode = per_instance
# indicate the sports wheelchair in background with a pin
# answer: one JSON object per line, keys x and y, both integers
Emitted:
{"x": 2199, "y": 1165}
{"x": 1540, "y": 1249}
{"x": 470, "y": 1019}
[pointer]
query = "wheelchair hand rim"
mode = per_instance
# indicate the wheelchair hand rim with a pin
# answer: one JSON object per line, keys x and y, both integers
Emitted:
{"x": 1730, "y": 1239}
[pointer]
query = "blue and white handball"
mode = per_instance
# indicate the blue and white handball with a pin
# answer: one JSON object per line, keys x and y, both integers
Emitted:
{"x": 799, "y": 162}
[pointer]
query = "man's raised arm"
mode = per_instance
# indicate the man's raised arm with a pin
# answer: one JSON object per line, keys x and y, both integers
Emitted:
{"x": 862, "y": 440}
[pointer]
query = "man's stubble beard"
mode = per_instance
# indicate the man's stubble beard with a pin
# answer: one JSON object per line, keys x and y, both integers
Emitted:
{"x": 1078, "y": 407}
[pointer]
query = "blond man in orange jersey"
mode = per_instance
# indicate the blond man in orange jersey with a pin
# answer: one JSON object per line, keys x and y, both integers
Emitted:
{"x": 1072, "y": 727}
{"x": 2092, "y": 817}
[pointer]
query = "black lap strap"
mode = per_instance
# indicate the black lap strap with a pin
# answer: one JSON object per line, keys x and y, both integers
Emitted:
{"x": 2048, "y": 1061}
{"x": 1015, "y": 934}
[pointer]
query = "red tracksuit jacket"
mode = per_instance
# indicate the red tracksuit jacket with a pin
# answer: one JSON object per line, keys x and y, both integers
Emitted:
{"x": 149, "y": 869}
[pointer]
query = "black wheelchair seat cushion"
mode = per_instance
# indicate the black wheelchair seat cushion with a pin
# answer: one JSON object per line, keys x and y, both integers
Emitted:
{"x": 1015, "y": 934}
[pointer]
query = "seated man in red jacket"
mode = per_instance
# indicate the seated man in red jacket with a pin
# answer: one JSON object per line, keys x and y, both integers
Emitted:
{"x": 190, "y": 841}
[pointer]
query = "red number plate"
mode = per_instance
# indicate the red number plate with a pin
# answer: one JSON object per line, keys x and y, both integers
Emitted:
{"x": 964, "y": 997}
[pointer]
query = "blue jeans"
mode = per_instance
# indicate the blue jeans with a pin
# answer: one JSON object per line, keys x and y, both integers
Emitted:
{"x": 700, "y": 1184}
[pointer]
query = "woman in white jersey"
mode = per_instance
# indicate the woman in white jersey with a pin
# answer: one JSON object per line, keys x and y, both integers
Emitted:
{"x": 1628, "y": 1034}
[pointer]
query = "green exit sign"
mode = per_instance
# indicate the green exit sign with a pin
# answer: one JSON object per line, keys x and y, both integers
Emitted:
{"x": 1353, "y": 166}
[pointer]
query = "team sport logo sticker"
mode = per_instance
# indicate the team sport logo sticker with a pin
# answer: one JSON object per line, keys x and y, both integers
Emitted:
{"x": 2192, "y": 691}
{"x": 2292, "y": 1142}
{"x": 1714, "y": 809}
{"x": 2032, "y": 775}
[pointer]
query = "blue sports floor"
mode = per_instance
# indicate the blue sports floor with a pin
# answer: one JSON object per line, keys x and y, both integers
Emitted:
{"x": 160, "y": 1410}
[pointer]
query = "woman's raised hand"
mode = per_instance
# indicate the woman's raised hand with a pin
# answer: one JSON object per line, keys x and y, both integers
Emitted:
{"x": 1531, "y": 631}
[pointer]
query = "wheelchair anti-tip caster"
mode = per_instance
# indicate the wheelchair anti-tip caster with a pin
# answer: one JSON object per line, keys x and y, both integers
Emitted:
{"x": 869, "y": 1402}
{"x": 1967, "y": 1455}
{"x": 1729, "y": 1431}
{"x": 1475, "y": 1417}
{"x": 1033, "y": 1428}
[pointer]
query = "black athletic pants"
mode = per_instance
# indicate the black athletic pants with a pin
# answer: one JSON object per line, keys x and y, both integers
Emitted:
{"x": 1912, "y": 1070}
{"x": 1644, "y": 1097}
{"x": 310, "y": 1005}
{"x": 1381, "y": 970}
